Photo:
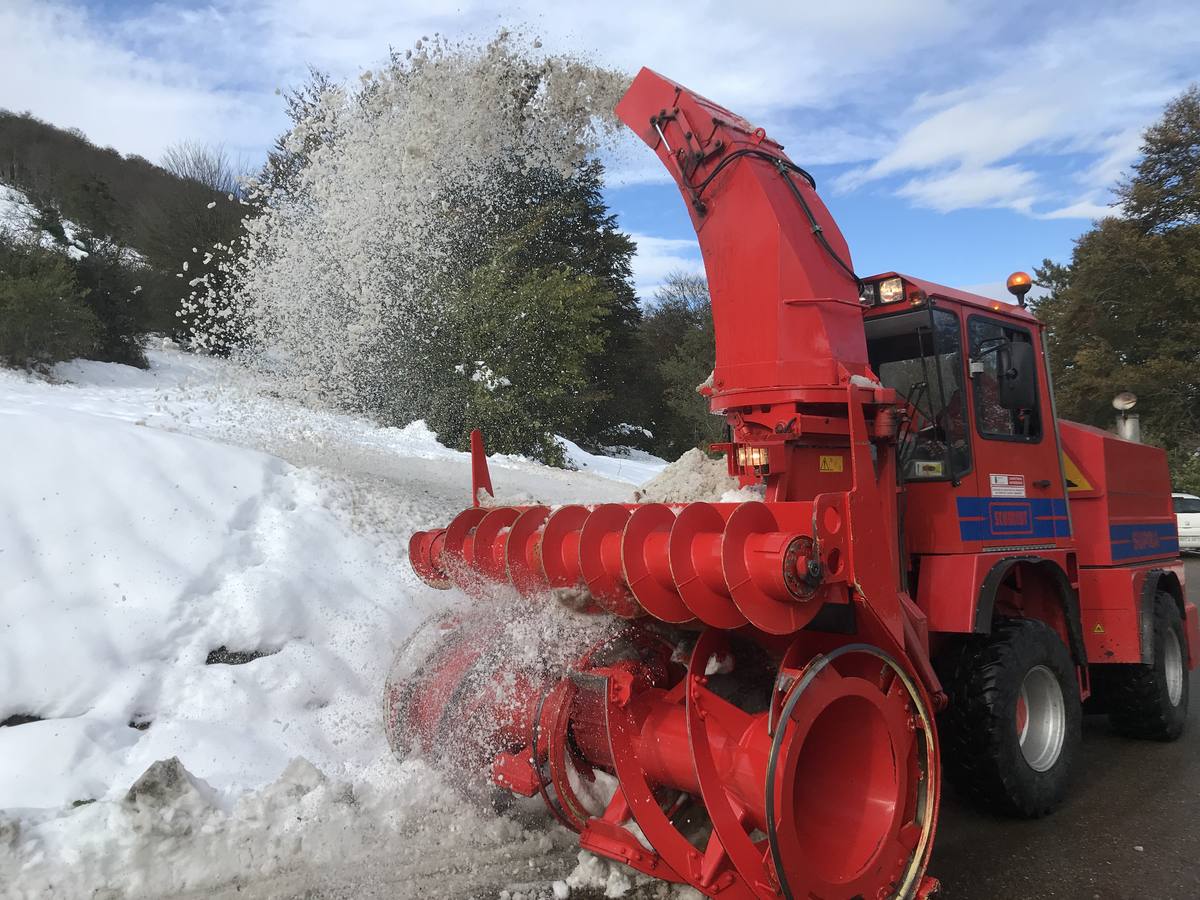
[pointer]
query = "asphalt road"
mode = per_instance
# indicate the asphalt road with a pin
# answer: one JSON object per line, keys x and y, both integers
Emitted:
{"x": 1131, "y": 828}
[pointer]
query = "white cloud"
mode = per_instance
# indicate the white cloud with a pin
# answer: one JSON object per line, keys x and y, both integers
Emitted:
{"x": 1081, "y": 209}
{"x": 998, "y": 186}
{"x": 60, "y": 64}
{"x": 1086, "y": 87}
{"x": 142, "y": 80}
{"x": 658, "y": 257}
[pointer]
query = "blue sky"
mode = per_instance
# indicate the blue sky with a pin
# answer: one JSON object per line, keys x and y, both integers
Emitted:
{"x": 953, "y": 140}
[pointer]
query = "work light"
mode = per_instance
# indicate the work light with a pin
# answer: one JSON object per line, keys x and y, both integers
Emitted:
{"x": 891, "y": 290}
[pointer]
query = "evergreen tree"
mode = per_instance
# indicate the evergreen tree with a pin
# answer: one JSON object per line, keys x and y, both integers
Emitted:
{"x": 43, "y": 318}
{"x": 538, "y": 321}
{"x": 108, "y": 287}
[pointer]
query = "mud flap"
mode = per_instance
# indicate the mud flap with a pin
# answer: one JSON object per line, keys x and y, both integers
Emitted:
{"x": 1191, "y": 629}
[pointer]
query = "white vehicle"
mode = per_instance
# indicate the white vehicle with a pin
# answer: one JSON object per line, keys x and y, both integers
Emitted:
{"x": 1187, "y": 514}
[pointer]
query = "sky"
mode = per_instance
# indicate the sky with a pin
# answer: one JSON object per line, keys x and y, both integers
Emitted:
{"x": 956, "y": 141}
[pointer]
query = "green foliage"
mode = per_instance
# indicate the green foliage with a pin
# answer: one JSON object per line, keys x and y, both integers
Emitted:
{"x": 677, "y": 333}
{"x": 43, "y": 318}
{"x": 108, "y": 286}
{"x": 535, "y": 328}
{"x": 517, "y": 359}
{"x": 1124, "y": 315}
{"x": 1163, "y": 190}
{"x": 1185, "y": 470}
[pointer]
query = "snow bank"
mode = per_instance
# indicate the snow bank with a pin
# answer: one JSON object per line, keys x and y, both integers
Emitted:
{"x": 194, "y": 568}
{"x": 634, "y": 466}
{"x": 131, "y": 554}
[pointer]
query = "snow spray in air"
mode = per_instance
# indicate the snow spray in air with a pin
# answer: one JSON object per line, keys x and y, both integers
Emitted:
{"x": 371, "y": 201}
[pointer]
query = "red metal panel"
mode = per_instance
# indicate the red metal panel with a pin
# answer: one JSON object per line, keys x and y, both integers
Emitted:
{"x": 1016, "y": 313}
{"x": 1126, "y": 516}
{"x": 1110, "y": 599}
{"x": 949, "y": 588}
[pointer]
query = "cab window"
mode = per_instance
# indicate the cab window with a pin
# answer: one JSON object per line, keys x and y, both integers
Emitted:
{"x": 919, "y": 354}
{"x": 990, "y": 341}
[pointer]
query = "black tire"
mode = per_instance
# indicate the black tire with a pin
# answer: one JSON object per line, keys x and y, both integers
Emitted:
{"x": 1141, "y": 701}
{"x": 981, "y": 744}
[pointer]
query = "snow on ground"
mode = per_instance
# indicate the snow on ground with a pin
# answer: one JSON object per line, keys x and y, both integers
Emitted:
{"x": 19, "y": 216}
{"x": 192, "y": 568}
{"x": 635, "y": 466}
{"x": 16, "y": 212}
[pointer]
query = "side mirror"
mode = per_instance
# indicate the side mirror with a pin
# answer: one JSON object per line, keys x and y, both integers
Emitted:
{"x": 1017, "y": 367}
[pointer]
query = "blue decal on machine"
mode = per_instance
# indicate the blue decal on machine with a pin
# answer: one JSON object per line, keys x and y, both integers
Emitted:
{"x": 1004, "y": 518}
{"x": 1143, "y": 539}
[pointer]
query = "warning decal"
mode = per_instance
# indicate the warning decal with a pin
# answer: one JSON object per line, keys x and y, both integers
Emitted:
{"x": 1008, "y": 485}
{"x": 833, "y": 463}
{"x": 1076, "y": 480}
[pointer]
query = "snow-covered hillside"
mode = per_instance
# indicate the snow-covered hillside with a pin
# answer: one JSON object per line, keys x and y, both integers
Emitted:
{"x": 194, "y": 569}
{"x": 18, "y": 216}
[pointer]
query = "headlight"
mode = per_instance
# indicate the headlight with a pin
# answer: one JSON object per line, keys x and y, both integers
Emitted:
{"x": 891, "y": 290}
{"x": 751, "y": 456}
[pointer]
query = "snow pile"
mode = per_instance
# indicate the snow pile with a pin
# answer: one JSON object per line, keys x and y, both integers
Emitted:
{"x": 16, "y": 212}
{"x": 695, "y": 476}
{"x": 195, "y": 568}
{"x": 132, "y": 556}
{"x": 402, "y": 833}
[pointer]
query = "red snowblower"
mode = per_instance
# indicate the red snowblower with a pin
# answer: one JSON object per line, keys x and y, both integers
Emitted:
{"x": 757, "y": 718}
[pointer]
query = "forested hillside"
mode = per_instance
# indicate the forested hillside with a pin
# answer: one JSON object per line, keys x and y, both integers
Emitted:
{"x": 137, "y": 233}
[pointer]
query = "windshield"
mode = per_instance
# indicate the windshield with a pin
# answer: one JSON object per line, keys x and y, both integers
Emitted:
{"x": 919, "y": 354}
{"x": 1186, "y": 504}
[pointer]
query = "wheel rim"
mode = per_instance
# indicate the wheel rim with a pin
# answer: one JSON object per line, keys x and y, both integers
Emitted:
{"x": 1041, "y": 718}
{"x": 1173, "y": 663}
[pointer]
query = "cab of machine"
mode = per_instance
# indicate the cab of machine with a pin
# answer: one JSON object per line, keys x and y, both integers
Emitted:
{"x": 979, "y": 454}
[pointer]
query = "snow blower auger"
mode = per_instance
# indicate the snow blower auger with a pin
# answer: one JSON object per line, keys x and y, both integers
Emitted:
{"x": 767, "y": 711}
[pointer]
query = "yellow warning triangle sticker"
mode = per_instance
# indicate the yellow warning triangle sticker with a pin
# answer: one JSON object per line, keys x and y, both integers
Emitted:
{"x": 1076, "y": 480}
{"x": 1099, "y": 629}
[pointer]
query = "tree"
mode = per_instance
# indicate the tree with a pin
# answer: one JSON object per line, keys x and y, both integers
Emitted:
{"x": 205, "y": 164}
{"x": 678, "y": 331}
{"x": 1125, "y": 313}
{"x": 518, "y": 365}
{"x": 1163, "y": 190}
{"x": 433, "y": 243}
{"x": 108, "y": 288}
{"x": 43, "y": 319}
{"x": 538, "y": 321}
{"x": 290, "y": 153}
